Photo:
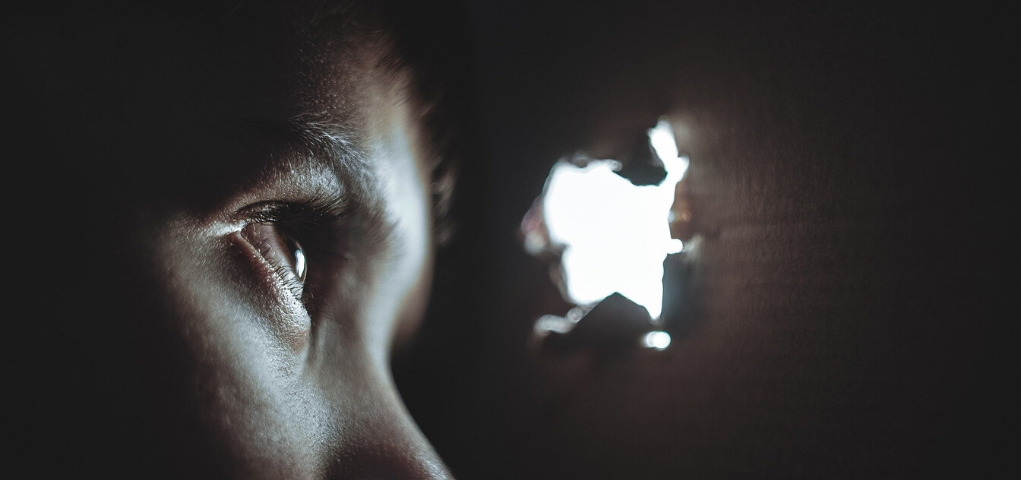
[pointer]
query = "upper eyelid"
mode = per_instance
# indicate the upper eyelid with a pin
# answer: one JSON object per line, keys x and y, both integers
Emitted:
{"x": 316, "y": 212}
{"x": 259, "y": 201}
{"x": 294, "y": 162}
{"x": 290, "y": 167}
{"x": 320, "y": 219}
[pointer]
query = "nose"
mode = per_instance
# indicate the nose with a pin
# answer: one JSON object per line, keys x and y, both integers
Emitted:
{"x": 383, "y": 442}
{"x": 388, "y": 461}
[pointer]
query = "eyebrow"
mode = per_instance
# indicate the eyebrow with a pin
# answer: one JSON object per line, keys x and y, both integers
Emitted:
{"x": 328, "y": 150}
{"x": 302, "y": 134}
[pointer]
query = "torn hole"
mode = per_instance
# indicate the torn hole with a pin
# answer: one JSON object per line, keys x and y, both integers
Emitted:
{"x": 604, "y": 223}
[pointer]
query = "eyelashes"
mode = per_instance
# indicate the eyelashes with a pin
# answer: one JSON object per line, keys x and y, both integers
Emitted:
{"x": 298, "y": 239}
{"x": 308, "y": 215}
{"x": 282, "y": 252}
{"x": 319, "y": 248}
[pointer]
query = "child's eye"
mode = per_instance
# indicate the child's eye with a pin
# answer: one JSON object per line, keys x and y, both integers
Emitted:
{"x": 306, "y": 244}
{"x": 283, "y": 253}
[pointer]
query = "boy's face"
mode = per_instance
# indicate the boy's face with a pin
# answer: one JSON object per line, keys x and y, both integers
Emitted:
{"x": 272, "y": 190}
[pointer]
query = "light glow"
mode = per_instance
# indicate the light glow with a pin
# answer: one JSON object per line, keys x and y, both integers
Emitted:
{"x": 615, "y": 234}
{"x": 657, "y": 340}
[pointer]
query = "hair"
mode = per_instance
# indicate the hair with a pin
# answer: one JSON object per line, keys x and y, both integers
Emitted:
{"x": 430, "y": 42}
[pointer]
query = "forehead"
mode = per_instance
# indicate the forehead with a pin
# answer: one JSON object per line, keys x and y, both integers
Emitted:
{"x": 267, "y": 62}
{"x": 190, "y": 96}
{"x": 253, "y": 59}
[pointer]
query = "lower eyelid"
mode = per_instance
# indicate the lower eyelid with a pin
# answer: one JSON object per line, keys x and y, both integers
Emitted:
{"x": 284, "y": 315}
{"x": 273, "y": 274}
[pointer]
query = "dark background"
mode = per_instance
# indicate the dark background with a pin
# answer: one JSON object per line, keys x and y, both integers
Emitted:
{"x": 853, "y": 316}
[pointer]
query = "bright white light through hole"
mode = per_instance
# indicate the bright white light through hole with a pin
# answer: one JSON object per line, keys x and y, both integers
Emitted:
{"x": 657, "y": 340}
{"x": 615, "y": 234}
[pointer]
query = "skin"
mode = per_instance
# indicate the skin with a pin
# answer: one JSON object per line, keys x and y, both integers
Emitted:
{"x": 198, "y": 354}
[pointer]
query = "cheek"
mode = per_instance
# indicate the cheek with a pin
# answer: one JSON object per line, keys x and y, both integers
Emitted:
{"x": 285, "y": 318}
{"x": 238, "y": 375}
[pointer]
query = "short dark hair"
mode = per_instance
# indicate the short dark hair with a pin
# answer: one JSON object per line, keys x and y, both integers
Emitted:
{"x": 431, "y": 42}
